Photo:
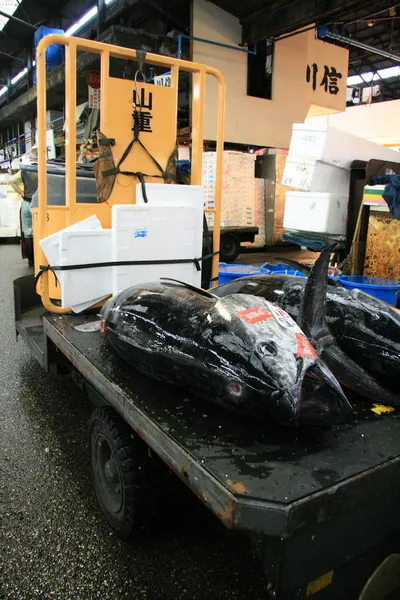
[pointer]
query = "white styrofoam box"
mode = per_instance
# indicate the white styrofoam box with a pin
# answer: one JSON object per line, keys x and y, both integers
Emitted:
{"x": 51, "y": 244}
{"x": 156, "y": 232}
{"x": 312, "y": 175}
{"x": 318, "y": 212}
{"x": 334, "y": 146}
{"x": 171, "y": 194}
{"x": 84, "y": 287}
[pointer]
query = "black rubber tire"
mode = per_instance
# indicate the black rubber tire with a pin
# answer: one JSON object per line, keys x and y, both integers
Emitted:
{"x": 120, "y": 481}
{"x": 229, "y": 247}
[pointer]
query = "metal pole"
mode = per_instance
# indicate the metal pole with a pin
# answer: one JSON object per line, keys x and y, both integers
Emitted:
{"x": 29, "y": 66}
{"x": 101, "y": 16}
{"x": 179, "y": 45}
{"x": 20, "y": 21}
{"x": 8, "y": 84}
{"x": 220, "y": 44}
{"x": 323, "y": 33}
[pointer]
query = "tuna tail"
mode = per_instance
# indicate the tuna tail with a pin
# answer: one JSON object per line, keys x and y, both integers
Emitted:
{"x": 305, "y": 269}
{"x": 312, "y": 320}
{"x": 354, "y": 377}
{"x": 200, "y": 291}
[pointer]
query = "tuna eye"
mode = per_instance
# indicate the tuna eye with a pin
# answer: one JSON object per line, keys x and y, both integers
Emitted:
{"x": 235, "y": 389}
{"x": 267, "y": 349}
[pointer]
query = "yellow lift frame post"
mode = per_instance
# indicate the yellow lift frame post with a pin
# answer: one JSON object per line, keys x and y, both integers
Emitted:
{"x": 49, "y": 219}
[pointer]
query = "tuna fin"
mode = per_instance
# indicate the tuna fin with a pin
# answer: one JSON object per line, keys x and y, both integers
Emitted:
{"x": 190, "y": 287}
{"x": 305, "y": 269}
{"x": 312, "y": 312}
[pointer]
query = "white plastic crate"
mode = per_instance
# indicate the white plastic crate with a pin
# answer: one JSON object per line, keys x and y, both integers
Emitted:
{"x": 169, "y": 226}
{"x": 325, "y": 143}
{"x": 318, "y": 212}
{"x": 311, "y": 175}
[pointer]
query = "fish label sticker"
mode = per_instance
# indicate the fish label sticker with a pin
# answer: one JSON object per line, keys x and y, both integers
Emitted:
{"x": 304, "y": 348}
{"x": 141, "y": 233}
{"x": 254, "y": 315}
{"x": 283, "y": 318}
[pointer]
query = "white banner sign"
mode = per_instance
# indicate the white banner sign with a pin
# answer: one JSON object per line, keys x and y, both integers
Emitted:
{"x": 164, "y": 80}
{"x": 94, "y": 97}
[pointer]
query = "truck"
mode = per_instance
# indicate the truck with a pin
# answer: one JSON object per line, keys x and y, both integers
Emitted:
{"x": 320, "y": 506}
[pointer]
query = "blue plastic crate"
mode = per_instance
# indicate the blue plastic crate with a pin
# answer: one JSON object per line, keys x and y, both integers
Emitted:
{"x": 384, "y": 289}
{"x": 228, "y": 272}
{"x": 282, "y": 269}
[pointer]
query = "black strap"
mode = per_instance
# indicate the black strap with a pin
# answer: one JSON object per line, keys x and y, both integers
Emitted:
{"x": 122, "y": 263}
{"x": 117, "y": 170}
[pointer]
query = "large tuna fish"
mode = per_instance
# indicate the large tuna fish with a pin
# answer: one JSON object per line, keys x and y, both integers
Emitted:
{"x": 364, "y": 348}
{"x": 241, "y": 352}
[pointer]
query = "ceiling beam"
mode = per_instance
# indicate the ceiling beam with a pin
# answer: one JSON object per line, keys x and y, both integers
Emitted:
{"x": 11, "y": 57}
{"x": 16, "y": 20}
{"x": 6, "y": 34}
{"x": 173, "y": 18}
{"x": 267, "y": 22}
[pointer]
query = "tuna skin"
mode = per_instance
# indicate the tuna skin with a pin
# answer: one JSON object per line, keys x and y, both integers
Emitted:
{"x": 240, "y": 352}
{"x": 366, "y": 329}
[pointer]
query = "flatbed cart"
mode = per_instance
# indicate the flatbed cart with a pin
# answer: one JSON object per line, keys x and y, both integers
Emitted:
{"x": 322, "y": 507}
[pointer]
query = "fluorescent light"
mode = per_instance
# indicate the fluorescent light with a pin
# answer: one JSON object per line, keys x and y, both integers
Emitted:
{"x": 88, "y": 16}
{"x": 85, "y": 19}
{"x": 19, "y": 76}
{"x": 9, "y": 7}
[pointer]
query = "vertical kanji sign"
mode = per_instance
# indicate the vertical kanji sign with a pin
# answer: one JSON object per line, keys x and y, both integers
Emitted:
{"x": 329, "y": 80}
{"x": 143, "y": 106}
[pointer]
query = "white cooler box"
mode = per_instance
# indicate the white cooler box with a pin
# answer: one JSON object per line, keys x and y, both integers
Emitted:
{"x": 314, "y": 176}
{"x": 319, "y": 212}
{"x": 321, "y": 142}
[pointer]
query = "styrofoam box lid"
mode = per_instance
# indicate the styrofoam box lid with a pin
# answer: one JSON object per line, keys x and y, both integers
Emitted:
{"x": 311, "y": 127}
{"x": 312, "y": 162}
{"x": 314, "y": 195}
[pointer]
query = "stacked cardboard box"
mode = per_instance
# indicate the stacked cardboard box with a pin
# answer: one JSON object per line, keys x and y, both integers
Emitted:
{"x": 237, "y": 187}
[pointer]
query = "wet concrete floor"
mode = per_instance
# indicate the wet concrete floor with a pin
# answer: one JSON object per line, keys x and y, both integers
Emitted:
{"x": 54, "y": 542}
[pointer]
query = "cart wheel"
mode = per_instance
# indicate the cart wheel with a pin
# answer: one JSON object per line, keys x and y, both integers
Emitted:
{"x": 229, "y": 247}
{"x": 119, "y": 466}
{"x": 385, "y": 580}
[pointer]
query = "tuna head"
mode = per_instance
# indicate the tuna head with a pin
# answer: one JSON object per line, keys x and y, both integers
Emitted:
{"x": 270, "y": 366}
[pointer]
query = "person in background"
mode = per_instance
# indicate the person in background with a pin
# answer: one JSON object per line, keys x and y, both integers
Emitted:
{"x": 25, "y": 185}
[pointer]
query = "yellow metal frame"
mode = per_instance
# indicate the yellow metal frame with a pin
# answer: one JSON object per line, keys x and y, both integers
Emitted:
{"x": 72, "y": 45}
